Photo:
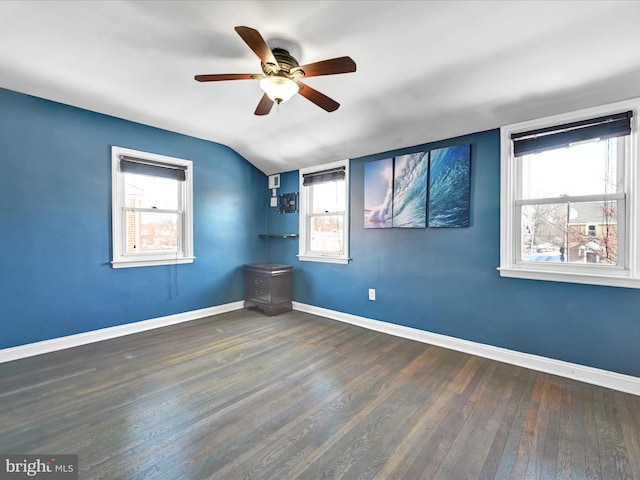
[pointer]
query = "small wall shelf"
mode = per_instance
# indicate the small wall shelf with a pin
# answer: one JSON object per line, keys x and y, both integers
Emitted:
{"x": 278, "y": 235}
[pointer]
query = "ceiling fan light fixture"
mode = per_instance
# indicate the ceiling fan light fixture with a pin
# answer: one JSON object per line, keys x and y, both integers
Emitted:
{"x": 278, "y": 88}
{"x": 281, "y": 73}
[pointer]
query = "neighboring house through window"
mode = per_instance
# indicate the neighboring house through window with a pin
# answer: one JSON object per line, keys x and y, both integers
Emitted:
{"x": 324, "y": 213}
{"x": 570, "y": 197}
{"x": 151, "y": 209}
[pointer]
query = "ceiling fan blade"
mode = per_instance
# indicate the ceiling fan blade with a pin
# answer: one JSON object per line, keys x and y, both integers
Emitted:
{"x": 329, "y": 67}
{"x": 256, "y": 43}
{"x": 227, "y": 76}
{"x": 264, "y": 106}
{"x": 318, "y": 98}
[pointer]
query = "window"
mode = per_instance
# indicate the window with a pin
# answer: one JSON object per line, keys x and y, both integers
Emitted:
{"x": 324, "y": 213}
{"x": 151, "y": 209}
{"x": 570, "y": 193}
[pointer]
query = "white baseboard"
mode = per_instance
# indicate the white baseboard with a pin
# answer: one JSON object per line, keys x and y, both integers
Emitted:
{"x": 595, "y": 376}
{"x": 46, "y": 346}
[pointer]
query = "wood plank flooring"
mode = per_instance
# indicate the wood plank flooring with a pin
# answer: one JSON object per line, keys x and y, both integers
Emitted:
{"x": 245, "y": 396}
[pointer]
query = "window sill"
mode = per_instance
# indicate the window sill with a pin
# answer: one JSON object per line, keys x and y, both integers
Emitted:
{"x": 323, "y": 259}
{"x": 571, "y": 277}
{"x": 139, "y": 262}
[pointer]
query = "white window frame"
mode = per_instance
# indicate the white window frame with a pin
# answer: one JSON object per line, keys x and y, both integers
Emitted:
{"x": 627, "y": 275}
{"x": 303, "y": 241}
{"x": 120, "y": 258}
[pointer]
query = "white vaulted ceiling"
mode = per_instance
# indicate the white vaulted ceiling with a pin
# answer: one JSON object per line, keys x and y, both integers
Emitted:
{"x": 426, "y": 70}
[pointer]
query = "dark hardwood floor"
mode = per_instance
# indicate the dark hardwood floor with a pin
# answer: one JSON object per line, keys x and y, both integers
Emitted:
{"x": 245, "y": 396}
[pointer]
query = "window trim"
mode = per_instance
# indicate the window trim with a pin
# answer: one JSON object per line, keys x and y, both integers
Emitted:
{"x": 119, "y": 258}
{"x": 628, "y": 277}
{"x": 303, "y": 254}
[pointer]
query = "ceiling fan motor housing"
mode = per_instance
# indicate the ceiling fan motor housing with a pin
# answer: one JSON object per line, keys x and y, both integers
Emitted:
{"x": 289, "y": 66}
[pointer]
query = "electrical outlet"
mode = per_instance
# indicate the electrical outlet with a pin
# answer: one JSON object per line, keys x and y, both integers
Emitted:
{"x": 372, "y": 294}
{"x": 274, "y": 201}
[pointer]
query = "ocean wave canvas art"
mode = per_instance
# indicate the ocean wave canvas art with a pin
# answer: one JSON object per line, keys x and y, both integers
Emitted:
{"x": 450, "y": 186}
{"x": 410, "y": 190}
{"x": 378, "y": 193}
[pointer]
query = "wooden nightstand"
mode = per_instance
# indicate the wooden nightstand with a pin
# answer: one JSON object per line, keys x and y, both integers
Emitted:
{"x": 268, "y": 287}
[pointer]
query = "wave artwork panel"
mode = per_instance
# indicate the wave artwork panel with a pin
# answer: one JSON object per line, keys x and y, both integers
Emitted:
{"x": 450, "y": 186}
{"x": 378, "y": 193}
{"x": 410, "y": 190}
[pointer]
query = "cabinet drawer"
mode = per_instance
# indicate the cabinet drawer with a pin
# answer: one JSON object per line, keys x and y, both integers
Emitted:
{"x": 258, "y": 288}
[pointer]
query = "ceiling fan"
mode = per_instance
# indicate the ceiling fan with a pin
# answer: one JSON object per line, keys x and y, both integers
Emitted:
{"x": 281, "y": 74}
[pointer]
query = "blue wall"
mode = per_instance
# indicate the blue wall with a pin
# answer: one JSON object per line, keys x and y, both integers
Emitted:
{"x": 55, "y": 237}
{"x": 445, "y": 280}
{"x": 55, "y": 224}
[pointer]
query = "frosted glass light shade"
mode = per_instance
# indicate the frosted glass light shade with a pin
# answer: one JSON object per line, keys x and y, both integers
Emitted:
{"x": 279, "y": 89}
